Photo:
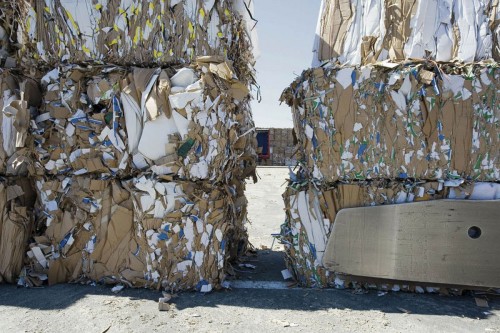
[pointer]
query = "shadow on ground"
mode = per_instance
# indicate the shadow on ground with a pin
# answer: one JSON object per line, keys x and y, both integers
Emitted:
{"x": 268, "y": 266}
{"x": 64, "y": 296}
{"x": 263, "y": 265}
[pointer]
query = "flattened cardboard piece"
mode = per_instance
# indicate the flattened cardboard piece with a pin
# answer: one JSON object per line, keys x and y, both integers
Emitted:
{"x": 16, "y": 223}
{"x": 13, "y": 192}
{"x": 113, "y": 249}
{"x": 445, "y": 242}
{"x": 16, "y": 228}
{"x": 58, "y": 272}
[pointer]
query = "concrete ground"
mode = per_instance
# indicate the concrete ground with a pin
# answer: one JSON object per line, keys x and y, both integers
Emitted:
{"x": 270, "y": 308}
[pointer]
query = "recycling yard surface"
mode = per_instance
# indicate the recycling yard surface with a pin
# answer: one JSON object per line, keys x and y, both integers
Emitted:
{"x": 268, "y": 308}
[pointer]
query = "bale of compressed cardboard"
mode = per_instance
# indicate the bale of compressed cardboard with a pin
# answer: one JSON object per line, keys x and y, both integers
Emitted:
{"x": 143, "y": 232}
{"x": 191, "y": 122}
{"x": 414, "y": 120}
{"x": 17, "y": 95}
{"x": 311, "y": 213}
{"x": 133, "y": 32}
{"x": 282, "y": 146}
{"x": 192, "y": 231}
{"x": 358, "y": 32}
{"x": 17, "y": 197}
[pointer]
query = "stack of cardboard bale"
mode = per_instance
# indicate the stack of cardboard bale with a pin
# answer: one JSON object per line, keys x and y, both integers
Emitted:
{"x": 283, "y": 149}
{"x": 142, "y": 140}
{"x": 402, "y": 105}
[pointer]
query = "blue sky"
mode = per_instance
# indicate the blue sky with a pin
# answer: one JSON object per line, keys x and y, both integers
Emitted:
{"x": 286, "y": 30}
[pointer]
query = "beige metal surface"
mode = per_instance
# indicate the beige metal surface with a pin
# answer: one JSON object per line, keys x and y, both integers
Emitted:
{"x": 421, "y": 242}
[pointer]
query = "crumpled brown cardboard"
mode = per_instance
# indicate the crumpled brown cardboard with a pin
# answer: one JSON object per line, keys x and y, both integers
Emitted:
{"x": 416, "y": 120}
{"x": 16, "y": 221}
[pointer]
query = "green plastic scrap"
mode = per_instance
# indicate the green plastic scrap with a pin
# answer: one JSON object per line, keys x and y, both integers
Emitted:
{"x": 186, "y": 147}
{"x": 359, "y": 175}
{"x": 108, "y": 117}
{"x": 469, "y": 73}
{"x": 478, "y": 162}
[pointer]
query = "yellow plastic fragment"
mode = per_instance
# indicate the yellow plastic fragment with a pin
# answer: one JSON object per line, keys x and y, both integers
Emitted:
{"x": 191, "y": 30}
{"x": 98, "y": 6}
{"x": 86, "y": 49}
{"x": 157, "y": 54}
{"x": 137, "y": 35}
{"x": 72, "y": 20}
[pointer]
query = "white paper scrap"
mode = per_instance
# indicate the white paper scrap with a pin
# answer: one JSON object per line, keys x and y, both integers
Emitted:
{"x": 286, "y": 274}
